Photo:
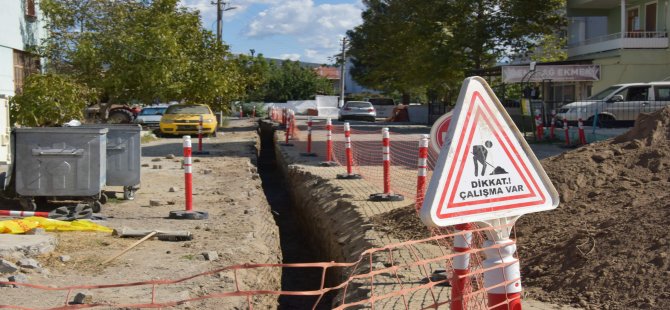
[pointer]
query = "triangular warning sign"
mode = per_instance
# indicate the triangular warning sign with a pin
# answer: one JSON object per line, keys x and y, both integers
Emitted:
{"x": 485, "y": 170}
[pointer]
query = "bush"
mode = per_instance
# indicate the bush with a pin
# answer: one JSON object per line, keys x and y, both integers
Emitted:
{"x": 248, "y": 108}
{"x": 49, "y": 100}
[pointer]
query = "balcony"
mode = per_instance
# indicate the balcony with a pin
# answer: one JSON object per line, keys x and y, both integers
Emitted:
{"x": 615, "y": 41}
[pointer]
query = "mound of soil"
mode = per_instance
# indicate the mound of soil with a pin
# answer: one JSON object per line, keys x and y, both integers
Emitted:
{"x": 607, "y": 246}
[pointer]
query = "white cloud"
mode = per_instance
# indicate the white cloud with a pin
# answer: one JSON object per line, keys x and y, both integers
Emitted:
{"x": 292, "y": 57}
{"x": 319, "y": 28}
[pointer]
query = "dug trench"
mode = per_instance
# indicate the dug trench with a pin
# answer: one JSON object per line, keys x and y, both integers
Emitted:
{"x": 295, "y": 244}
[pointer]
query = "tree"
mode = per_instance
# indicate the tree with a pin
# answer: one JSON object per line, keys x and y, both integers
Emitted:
{"x": 139, "y": 50}
{"x": 49, "y": 99}
{"x": 430, "y": 45}
{"x": 291, "y": 81}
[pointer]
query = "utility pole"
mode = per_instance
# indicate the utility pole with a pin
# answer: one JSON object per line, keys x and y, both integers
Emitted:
{"x": 342, "y": 65}
{"x": 219, "y": 21}
{"x": 220, "y": 8}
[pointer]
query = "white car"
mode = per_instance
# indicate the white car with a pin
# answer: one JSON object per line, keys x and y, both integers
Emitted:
{"x": 621, "y": 102}
{"x": 150, "y": 116}
{"x": 362, "y": 110}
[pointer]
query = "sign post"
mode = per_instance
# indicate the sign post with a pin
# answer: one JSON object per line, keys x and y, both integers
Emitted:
{"x": 487, "y": 174}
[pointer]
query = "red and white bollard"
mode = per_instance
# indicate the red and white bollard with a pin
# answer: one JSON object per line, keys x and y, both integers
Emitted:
{"x": 287, "y": 130}
{"x": 241, "y": 111}
{"x": 284, "y": 116}
{"x": 292, "y": 123}
{"x": 582, "y": 135}
{"x": 552, "y": 135}
{"x": 503, "y": 283}
{"x": 329, "y": 145}
{"x": 539, "y": 125}
{"x": 188, "y": 214}
{"x": 309, "y": 152}
{"x": 567, "y": 131}
{"x": 253, "y": 112}
{"x": 460, "y": 280}
{"x": 422, "y": 176}
{"x": 386, "y": 163}
{"x": 349, "y": 154}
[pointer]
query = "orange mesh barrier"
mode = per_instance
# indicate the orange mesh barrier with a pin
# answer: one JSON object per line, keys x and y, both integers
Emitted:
{"x": 408, "y": 275}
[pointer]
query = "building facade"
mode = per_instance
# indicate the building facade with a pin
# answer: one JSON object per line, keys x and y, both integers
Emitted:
{"x": 22, "y": 28}
{"x": 628, "y": 39}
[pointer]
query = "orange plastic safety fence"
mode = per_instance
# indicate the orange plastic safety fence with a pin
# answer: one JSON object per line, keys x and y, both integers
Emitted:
{"x": 367, "y": 155}
{"x": 408, "y": 275}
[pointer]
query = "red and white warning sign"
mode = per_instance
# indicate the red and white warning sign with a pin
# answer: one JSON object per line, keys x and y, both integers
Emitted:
{"x": 485, "y": 169}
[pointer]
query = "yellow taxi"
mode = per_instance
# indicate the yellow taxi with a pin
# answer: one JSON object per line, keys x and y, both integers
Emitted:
{"x": 183, "y": 119}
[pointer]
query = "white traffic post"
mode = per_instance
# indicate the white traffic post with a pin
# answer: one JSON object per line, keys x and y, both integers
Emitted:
{"x": 422, "y": 174}
{"x": 329, "y": 145}
{"x": 386, "y": 163}
{"x": 460, "y": 280}
{"x": 188, "y": 214}
{"x": 309, "y": 152}
{"x": 503, "y": 283}
{"x": 580, "y": 124}
{"x": 349, "y": 154}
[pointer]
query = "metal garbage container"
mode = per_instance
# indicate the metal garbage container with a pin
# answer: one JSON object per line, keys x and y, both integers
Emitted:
{"x": 60, "y": 162}
{"x": 124, "y": 154}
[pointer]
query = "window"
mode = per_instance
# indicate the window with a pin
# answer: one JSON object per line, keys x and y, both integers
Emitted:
{"x": 662, "y": 93}
{"x": 635, "y": 93}
{"x": 25, "y": 64}
{"x": 650, "y": 17}
{"x": 633, "y": 19}
{"x": 30, "y": 8}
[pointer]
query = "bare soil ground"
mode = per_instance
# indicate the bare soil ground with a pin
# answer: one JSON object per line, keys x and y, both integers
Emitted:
{"x": 240, "y": 228}
{"x": 607, "y": 245}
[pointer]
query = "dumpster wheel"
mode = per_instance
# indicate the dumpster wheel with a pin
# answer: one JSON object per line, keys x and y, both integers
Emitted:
{"x": 28, "y": 204}
{"x": 129, "y": 192}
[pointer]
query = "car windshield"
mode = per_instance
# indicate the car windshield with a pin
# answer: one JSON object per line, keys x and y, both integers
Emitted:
{"x": 187, "y": 109}
{"x": 153, "y": 111}
{"x": 358, "y": 104}
{"x": 601, "y": 95}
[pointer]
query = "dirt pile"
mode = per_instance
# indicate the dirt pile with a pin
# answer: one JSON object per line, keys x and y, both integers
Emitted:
{"x": 607, "y": 246}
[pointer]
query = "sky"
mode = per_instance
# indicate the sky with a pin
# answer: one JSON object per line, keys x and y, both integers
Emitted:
{"x": 305, "y": 30}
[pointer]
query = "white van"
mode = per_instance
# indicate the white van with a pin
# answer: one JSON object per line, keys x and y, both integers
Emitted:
{"x": 621, "y": 102}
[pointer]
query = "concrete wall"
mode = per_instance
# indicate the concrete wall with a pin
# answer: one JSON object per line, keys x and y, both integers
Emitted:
{"x": 632, "y": 66}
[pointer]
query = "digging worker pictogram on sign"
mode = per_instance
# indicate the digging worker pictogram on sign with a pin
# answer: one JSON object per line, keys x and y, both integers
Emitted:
{"x": 479, "y": 153}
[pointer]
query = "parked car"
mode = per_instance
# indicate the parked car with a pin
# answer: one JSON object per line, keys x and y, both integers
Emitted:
{"x": 151, "y": 116}
{"x": 618, "y": 103}
{"x": 183, "y": 119}
{"x": 383, "y": 106}
{"x": 362, "y": 110}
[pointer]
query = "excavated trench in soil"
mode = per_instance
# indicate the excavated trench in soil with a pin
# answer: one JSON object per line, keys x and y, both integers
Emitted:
{"x": 296, "y": 248}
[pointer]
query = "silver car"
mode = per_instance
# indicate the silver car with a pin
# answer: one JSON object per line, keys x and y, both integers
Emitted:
{"x": 150, "y": 116}
{"x": 360, "y": 110}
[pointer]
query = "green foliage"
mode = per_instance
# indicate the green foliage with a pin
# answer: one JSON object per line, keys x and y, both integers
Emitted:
{"x": 248, "y": 108}
{"x": 144, "y": 51}
{"x": 290, "y": 81}
{"x": 49, "y": 100}
{"x": 428, "y": 46}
